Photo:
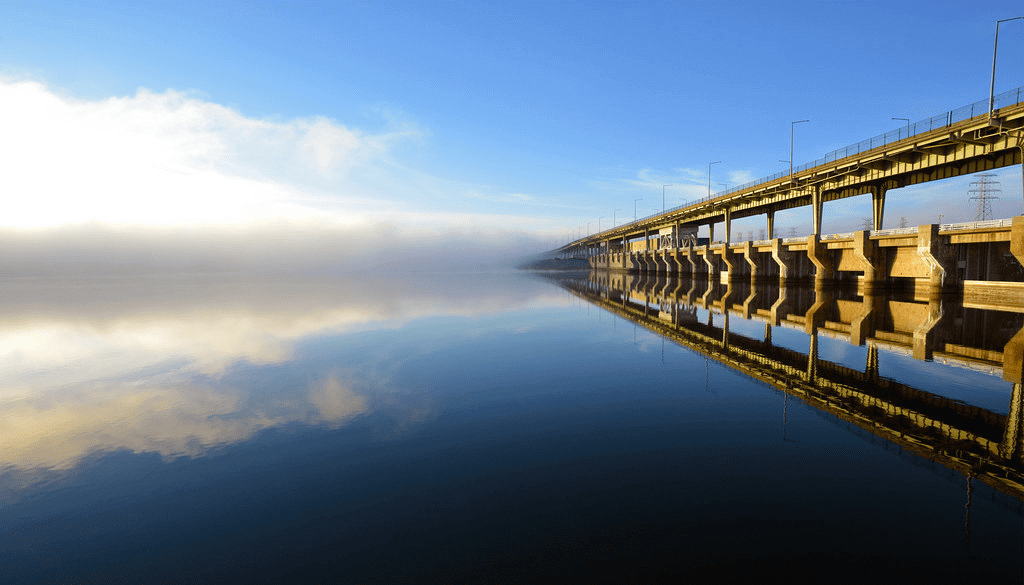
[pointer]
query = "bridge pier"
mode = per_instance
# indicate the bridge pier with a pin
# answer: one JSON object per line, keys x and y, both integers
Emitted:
{"x": 818, "y": 254}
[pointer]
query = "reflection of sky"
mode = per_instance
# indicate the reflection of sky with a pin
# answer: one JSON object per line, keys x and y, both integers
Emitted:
{"x": 153, "y": 365}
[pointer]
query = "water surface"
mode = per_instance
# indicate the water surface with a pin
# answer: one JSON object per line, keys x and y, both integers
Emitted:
{"x": 464, "y": 428}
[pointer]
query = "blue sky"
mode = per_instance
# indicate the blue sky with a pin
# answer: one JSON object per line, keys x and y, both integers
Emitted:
{"x": 493, "y": 122}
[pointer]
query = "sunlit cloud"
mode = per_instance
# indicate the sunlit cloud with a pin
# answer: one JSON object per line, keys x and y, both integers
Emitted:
{"x": 174, "y": 162}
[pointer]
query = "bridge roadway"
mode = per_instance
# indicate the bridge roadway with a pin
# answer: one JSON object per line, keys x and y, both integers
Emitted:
{"x": 975, "y": 441}
{"x": 960, "y": 142}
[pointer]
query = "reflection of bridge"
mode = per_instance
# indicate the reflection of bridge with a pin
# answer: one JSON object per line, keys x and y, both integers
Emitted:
{"x": 970, "y": 439}
{"x": 956, "y": 143}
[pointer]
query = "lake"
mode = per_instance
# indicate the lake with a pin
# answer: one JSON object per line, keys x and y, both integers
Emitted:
{"x": 502, "y": 427}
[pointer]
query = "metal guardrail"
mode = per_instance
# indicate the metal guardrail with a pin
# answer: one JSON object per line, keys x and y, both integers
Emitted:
{"x": 978, "y": 108}
{"x": 977, "y": 225}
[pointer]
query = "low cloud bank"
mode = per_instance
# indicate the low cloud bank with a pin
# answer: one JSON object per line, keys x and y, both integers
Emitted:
{"x": 284, "y": 248}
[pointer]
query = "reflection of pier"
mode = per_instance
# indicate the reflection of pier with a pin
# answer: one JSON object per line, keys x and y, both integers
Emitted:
{"x": 970, "y": 439}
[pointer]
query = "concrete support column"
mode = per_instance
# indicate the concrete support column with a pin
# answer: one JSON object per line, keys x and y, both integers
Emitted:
{"x": 709, "y": 260}
{"x": 728, "y": 227}
{"x": 866, "y": 251}
{"x": 816, "y": 209}
{"x": 711, "y": 233}
{"x": 941, "y": 264}
{"x": 877, "y": 206}
{"x": 817, "y": 252}
{"x": 784, "y": 258}
{"x": 748, "y": 255}
{"x": 730, "y": 270}
{"x": 771, "y": 224}
{"x": 1017, "y": 238}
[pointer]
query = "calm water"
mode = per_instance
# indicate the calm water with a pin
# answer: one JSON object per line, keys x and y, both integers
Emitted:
{"x": 473, "y": 428}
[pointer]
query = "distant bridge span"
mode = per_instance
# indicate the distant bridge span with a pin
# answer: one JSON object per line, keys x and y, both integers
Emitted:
{"x": 959, "y": 142}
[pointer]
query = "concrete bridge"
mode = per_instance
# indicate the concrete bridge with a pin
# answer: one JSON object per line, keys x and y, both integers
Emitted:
{"x": 959, "y": 142}
{"x": 975, "y": 441}
{"x": 949, "y": 257}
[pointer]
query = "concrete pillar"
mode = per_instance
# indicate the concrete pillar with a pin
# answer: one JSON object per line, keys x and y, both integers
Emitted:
{"x": 817, "y": 252}
{"x": 940, "y": 260}
{"x": 866, "y": 251}
{"x": 816, "y": 209}
{"x": 1017, "y": 238}
{"x": 728, "y": 227}
{"x": 709, "y": 260}
{"x": 771, "y": 223}
{"x": 877, "y": 206}
{"x": 785, "y": 259}
{"x": 711, "y": 233}
{"x": 748, "y": 255}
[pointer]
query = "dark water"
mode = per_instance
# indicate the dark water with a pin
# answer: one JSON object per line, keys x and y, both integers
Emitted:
{"x": 483, "y": 428}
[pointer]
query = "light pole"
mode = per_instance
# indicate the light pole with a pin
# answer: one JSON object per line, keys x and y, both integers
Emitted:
{"x": 663, "y": 196}
{"x": 634, "y": 206}
{"x": 613, "y": 218}
{"x": 907, "y": 120}
{"x": 995, "y": 46}
{"x": 792, "y": 125}
{"x": 709, "y": 177}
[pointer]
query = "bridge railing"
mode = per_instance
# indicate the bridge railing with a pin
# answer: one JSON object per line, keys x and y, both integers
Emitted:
{"x": 978, "y": 108}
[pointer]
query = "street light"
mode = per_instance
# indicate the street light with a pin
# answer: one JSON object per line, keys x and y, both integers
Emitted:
{"x": 709, "y": 177}
{"x": 992, "y": 87}
{"x": 907, "y": 120}
{"x": 663, "y": 196}
{"x": 792, "y": 125}
{"x": 634, "y": 206}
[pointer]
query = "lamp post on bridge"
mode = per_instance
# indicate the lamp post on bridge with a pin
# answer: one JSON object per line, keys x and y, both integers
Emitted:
{"x": 792, "y": 126}
{"x": 995, "y": 47}
{"x": 907, "y": 120}
{"x": 663, "y": 196}
{"x": 613, "y": 218}
{"x": 634, "y": 206}
{"x": 709, "y": 177}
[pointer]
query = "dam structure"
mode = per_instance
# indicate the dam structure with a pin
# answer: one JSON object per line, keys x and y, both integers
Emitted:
{"x": 935, "y": 257}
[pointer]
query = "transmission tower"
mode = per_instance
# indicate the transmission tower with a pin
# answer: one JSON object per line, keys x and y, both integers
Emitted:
{"x": 984, "y": 190}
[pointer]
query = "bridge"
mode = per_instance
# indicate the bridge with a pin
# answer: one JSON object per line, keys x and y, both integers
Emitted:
{"x": 959, "y": 142}
{"x": 972, "y": 440}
